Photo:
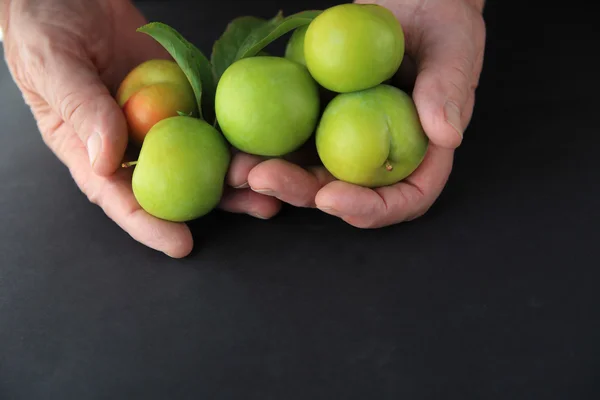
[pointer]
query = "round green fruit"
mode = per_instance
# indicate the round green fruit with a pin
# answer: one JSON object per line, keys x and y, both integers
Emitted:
{"x": 295, "y": 51}
{"x": 180, "y": 172}
{"x": 295, "y": 46}
{"x": 371, "y": 138}
{"x": 353, "y": 47}
{"x": 267, "y": 106}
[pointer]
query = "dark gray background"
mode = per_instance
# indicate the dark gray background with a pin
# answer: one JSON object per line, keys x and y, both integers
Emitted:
{"x": 491, "y": 295}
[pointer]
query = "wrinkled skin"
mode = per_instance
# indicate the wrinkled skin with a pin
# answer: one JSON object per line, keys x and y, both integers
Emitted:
{"x": 64, "y": 53}
{"x": 444, "y": 55}
{"x": 68, "y": 58}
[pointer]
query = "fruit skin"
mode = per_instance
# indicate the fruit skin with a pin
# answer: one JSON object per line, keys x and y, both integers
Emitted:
{"x": 152, "y": 91}
{"x": 267, "y": 106}
{"x": 360, "y": 132}
{"x": 294, "y": 49}
{"x": 181, "y": 169}
{"x": 353, "y": 47}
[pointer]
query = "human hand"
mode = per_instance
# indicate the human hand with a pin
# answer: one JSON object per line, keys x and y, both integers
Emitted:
{"x": 445, "y": 45}
{"x": 68, "y": 57}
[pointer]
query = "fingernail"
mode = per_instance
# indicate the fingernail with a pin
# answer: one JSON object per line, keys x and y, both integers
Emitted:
{"x": 242, "y": 186}
{"x": 330, "y": 210}
{"x": 453, "y": 117}
{"x": 257, "y": 215}
{"x": 266, "y": 192}
{"x": 94, "y": 145}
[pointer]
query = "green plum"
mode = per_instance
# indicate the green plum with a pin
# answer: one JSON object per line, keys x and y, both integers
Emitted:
{"x": 353, "y": 47}
{"x": 267, "y": 106}
{"x": 294, "y": 49}
{"x": 372, "y": 137}
{"x": 180, "y": 173}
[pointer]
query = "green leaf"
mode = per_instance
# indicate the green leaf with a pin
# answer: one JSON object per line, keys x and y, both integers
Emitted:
{"x": 227, "y": 46}
{"x": 247, "y": 36}
{"x": 277, "y": 18}
{"x": 278, "y": 26}
{"x": 192, "y": 62}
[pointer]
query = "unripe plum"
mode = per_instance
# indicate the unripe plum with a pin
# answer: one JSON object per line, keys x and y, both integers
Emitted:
{"x": 267, "y": 106}
{"x": 371, "y": 138}
{"x": 181, "y": 169}
{"x": 353, "y": 47}
{"x": 294, "y": 49}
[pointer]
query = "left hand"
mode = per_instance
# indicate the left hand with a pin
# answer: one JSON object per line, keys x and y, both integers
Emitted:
{"x": 444, "y": 45}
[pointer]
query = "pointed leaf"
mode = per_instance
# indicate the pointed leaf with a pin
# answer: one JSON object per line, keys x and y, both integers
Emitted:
{"x": 192, "y": 62}
{"x": 226, "y": 47}
{"x": 262, "y": 36}
{"x": 277, "y": 18}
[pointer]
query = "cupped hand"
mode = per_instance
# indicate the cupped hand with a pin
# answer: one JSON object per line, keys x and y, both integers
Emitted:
{"x": 68, "y": 57}
{"x": 445, "y": 42}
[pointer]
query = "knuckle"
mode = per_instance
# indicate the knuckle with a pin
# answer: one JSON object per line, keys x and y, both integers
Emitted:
{"x": 71, "y": 107}
{"x": 94, "y": 196}
{"x": 463, "y": 64}
{"x": 462, "y": 77}
{"x": 479, "y": 25}
{"x": 89, "y": 187}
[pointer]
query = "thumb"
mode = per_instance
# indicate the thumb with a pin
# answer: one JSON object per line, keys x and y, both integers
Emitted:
{"x": 73, "y": 89}
{"x": 444, "y": 91}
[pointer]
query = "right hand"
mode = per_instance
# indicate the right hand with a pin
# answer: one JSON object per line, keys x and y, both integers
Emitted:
{"x": 68, "y": 57}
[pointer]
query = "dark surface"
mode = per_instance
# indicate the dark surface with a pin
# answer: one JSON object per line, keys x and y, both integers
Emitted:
{"x": 491, "y": 295}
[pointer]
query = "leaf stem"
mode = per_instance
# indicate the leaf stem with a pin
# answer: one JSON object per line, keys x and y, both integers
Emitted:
{"x": 129, "y": 164}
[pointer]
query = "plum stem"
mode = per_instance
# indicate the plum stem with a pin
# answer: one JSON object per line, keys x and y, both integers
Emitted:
{"x": 388, "y": 165}
{"x": 128, "y": 164}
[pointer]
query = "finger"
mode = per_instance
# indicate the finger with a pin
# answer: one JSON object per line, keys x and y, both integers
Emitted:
{"x": 288, "y": 182}
{"x": 245, "y": 201}
{"x": 449, "y": 61}
{"x": 240, "y": 167}
{"x": 118, "y": 202}
{"x": 373, "y": 208}
{"x": 72, "y": 87}
{"x": 114, "y": 195}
